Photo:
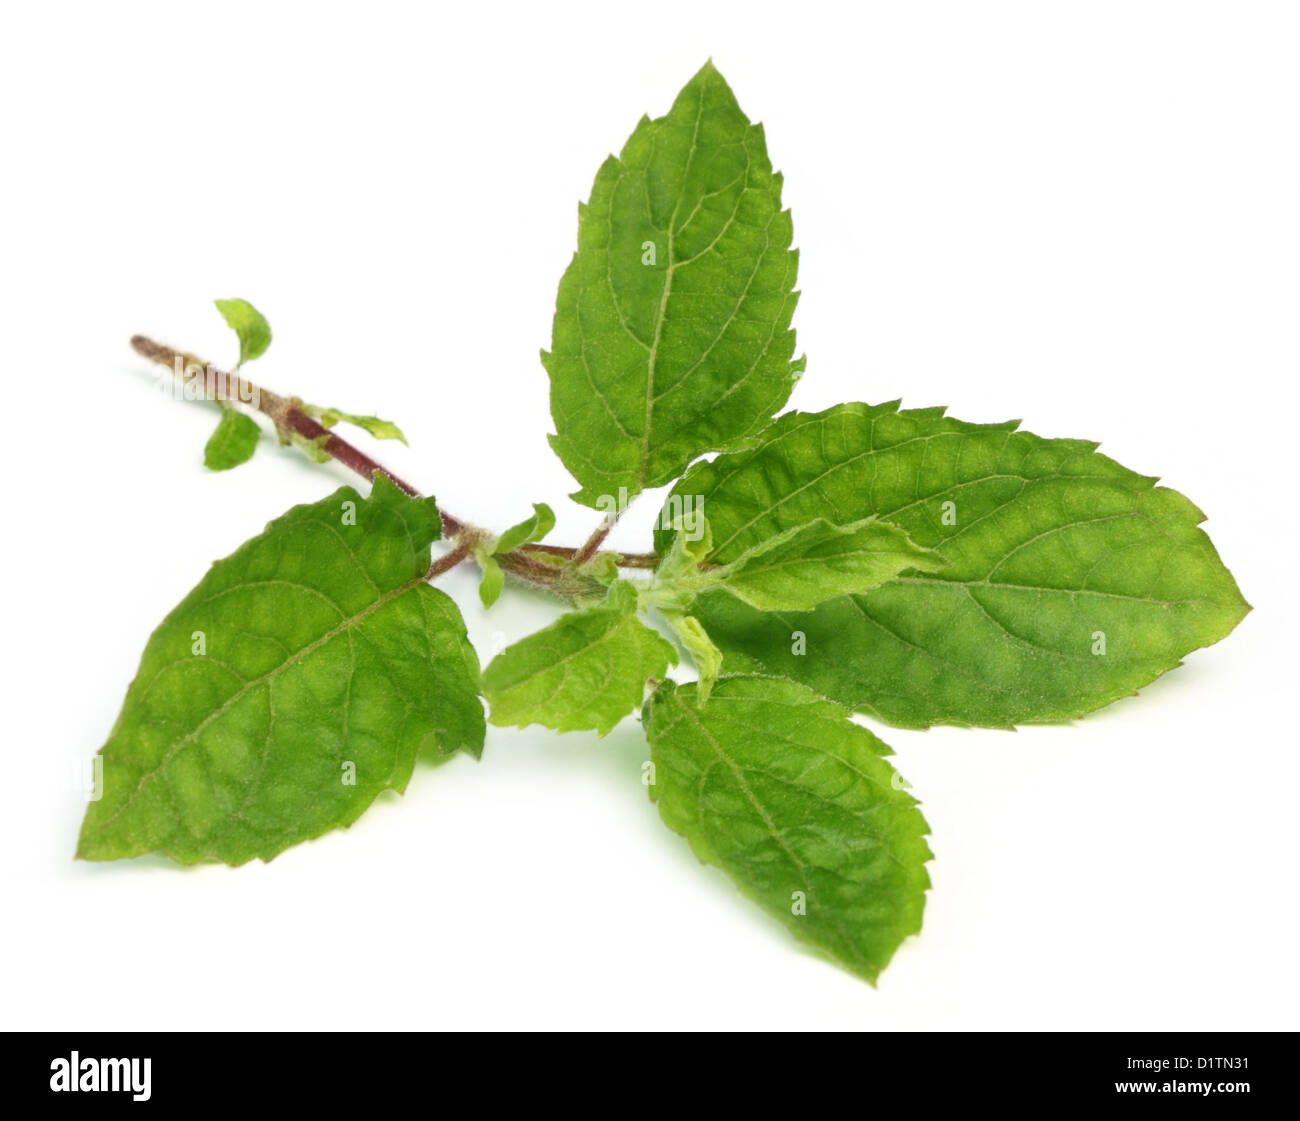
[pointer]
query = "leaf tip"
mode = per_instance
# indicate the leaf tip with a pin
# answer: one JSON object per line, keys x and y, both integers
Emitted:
{"x": 708, "y": 70}
{"x": 249, "y": 324}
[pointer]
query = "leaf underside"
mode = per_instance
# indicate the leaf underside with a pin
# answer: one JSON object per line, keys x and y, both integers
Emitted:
{"x": 532, "y": 528}
{"x": 775, "y": 786}
{"x": 298, "y": 680}
{"x": 671, "y": 334}
{"x": 249, "y": 324}
{"x": 377, "y": 427}
{"x": 816, "y": 561}
{"x": 1070, "y": 581}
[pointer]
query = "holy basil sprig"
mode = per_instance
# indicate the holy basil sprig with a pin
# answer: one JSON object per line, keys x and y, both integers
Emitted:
{"x": 896, "y": 562}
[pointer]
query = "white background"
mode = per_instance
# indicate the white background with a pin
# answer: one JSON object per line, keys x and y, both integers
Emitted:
{"x": 1084, "y": 215}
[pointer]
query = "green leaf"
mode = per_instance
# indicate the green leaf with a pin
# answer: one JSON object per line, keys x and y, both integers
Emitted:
{"x": 672, "y": 325}
{"x": 587, "y": 670}
{"x": 381, "y": 429}
{"x": 493, "y": 582}
{"x": 680, "y": 575}
{"x": 294, "y": 684}
{"x": 232, "y": 442}
{"x": 249, "y": 324}
{"x": 602, "y": 568}
{"x": 706, "y": 657}
{"x": 816, "y": 561}
{"x": 775, "y": 786}
{"x": 529, "y": 530}
{"x": 312, "y": 449}
{"x": 807, "y": 565}
{"x": 1071, "y": 581}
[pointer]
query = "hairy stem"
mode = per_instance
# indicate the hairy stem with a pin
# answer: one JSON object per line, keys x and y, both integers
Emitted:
{"x": 290, "y": 420}
{"x": 448, "y": 561}
{"x": 288, "y": 417}
{"x": 594, "y": 542}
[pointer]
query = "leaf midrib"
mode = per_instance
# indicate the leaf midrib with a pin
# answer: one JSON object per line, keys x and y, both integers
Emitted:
{"x": 663, "y": 300}
{"x": 299, "y": 656}
{"x": 776, "y": 835}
